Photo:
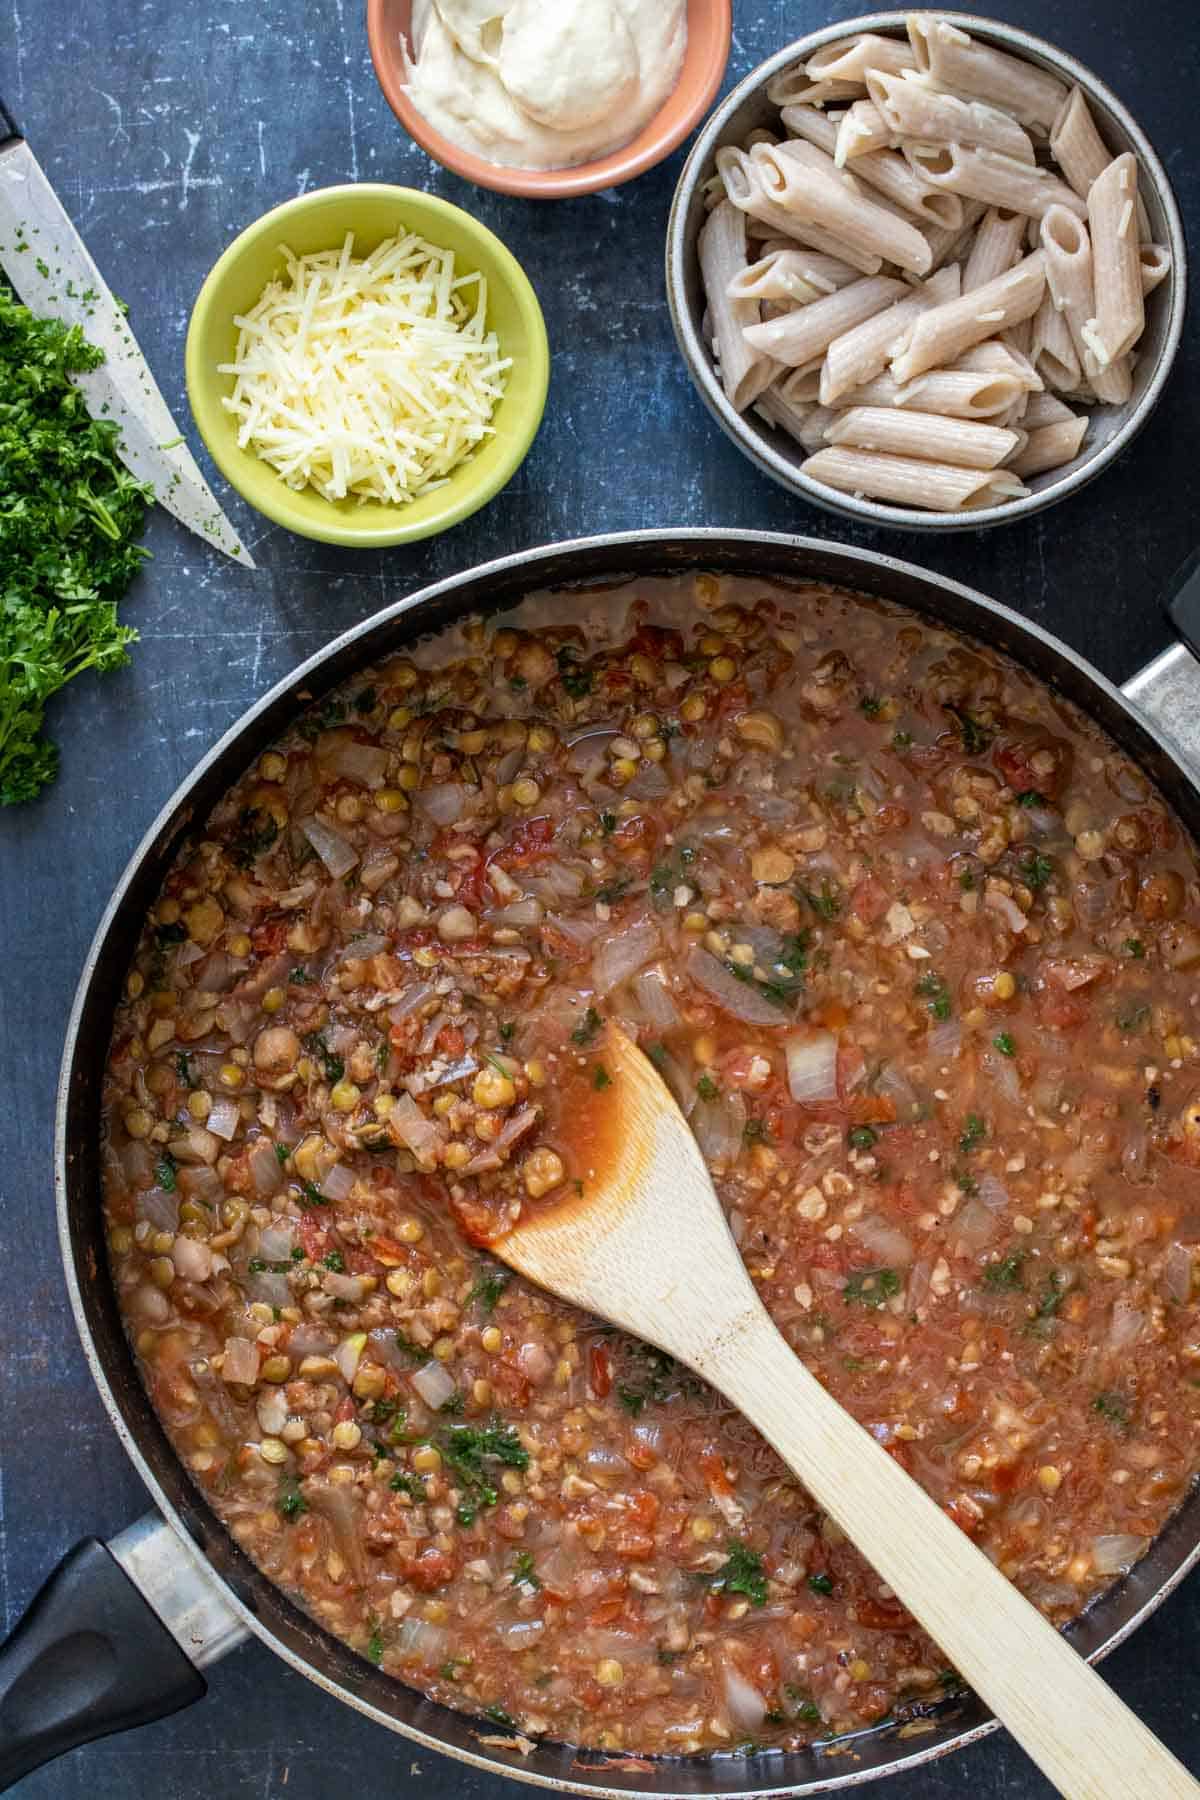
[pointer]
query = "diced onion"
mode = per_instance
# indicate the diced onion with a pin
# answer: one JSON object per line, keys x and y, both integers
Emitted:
{"x": 241, "y": 1360}
{"x": 364, "y": 764}
{"x": 158, "y": 1207}
{"x": 224, "y": 1118}
{"x": 344, "y": 1287}
{"x": 338, "y": 856}
{"x": 276, "y": 1241}
{"x": 993, "y": 1193}
{"x": 1126, "y": 1327}
{"x": 1177, "y": 1273}
{"x": 338, "y": 1182}
{"x": 740, "y": 999}
{"x": 623, "y": 954}
{"x": 654, "y": 1001}
{"x": 520, "y": 1633}
{"x": 718, "y": 1125}
{"x": 883, "y": 1240}
{"x": 348, "y": 1354}
{"x": 973, "y": 1225}
{"x": 746, "y": 1706}
{"x": 445, "y": 802}
{"x": 264, "y": 1168}
{"x": 1116, "y": 1551}
{"x": 812, "y": 1066}
{"x": 417, "y": 1637}
{"x": 435, "y": 1384}
{"x": 945, "y": 1040}
{"x": 519, "y": 912}
{"x": 415, "y": 1131}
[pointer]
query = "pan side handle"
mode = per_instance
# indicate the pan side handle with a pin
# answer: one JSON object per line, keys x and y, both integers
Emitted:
{"x": 115, "y": 1638}
{"x": 1167, "y": 690}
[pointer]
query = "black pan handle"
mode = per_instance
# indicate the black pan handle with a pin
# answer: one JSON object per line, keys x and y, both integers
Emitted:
{"x": 8, "y": 125}
{"x": 1183, "y": 602}
{"x": 90, "y": 1657}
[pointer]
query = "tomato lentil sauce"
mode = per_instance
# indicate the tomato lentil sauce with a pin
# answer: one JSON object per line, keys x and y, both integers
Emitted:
{"x": 915, "y": 948}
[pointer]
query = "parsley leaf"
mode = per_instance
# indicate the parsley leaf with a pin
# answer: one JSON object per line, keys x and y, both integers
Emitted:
{"x": 1005, "y": 1276}
{"x": 317, "y": 1047}
{"x": 742, "y": 1574}
{"x": 587, "y": 1027}
{"x": 871, "y": 1288}
{"x": 1003, "y": 1042}
{"x": 936, "y": 995}
{"x": 488, "y": 1289}
{"x": 523, "y": 1574}
{"x": 975, "y": 735}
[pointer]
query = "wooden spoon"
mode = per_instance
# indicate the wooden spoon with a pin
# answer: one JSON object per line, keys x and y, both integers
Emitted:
{"x": 647, "y": 1247}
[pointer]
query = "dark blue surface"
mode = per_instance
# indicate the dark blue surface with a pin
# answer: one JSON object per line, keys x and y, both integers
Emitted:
{"x": 167, "y": 125}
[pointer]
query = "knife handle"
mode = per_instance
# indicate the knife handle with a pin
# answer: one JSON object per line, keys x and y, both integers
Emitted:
{"x": 8, "y": 125}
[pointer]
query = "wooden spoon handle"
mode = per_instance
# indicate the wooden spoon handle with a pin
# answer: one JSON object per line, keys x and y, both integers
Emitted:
{"x": 1082, "y": 1736}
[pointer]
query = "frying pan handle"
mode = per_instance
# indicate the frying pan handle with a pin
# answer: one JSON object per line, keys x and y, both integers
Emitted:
{"x": 90, "y": 1657}
{"x": 1167, "y": 690}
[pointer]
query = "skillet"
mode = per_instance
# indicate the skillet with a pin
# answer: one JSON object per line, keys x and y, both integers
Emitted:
{"x": 119, "y": 1634}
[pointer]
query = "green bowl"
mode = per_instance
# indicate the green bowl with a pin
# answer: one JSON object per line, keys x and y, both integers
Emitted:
{"x": 320, "y": 221}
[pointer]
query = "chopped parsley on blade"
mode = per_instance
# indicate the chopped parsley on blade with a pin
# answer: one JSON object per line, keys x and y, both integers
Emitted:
{"x": 70, "y": 514}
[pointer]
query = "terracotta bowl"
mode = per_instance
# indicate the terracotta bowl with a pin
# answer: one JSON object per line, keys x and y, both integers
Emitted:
{"x": 709, "y": 29}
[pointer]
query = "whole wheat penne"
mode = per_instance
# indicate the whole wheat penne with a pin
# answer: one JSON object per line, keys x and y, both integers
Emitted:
{"x": 944, "y": 332}
{"x": 936, "y": 487}
{"x": 1069, "y": 276}
{"x": 1050, "y": 446}
{"x": 884, "y": 170}
{"x": 814, "y": 427}
{"x": 913, "y": 106}
{"x": 958, "y": 61}
{"x": 777, "y": 276}
{"x": 1076, "y": 145}
{"x": 743, "y": 184}
{"x": 1116, "y": 265}
{"x": 1155, "y": 261}
{"x": 1052, "y": 351}
{"x": 772, "y": 407}
{"x": 1113, "y": 385}
{"x": 957, "y": 393}
{"x": 930, "y": 436}
{"x": 995, "y": 248}
{"x": 946, "y": 245}
{"x": 745, "y": 371}
{"x": 800, "y": 385}
{"x": 860, "y": 129}
{"x": 808, "y": 331}
{"x": 1046, "y": 409}
{"x": 861, "y": 353}
{"x": 850, "y": 58}
{"x": 806, "y": 182}
{"x": 996, "y": 357}
{"x": 996, "y": 180}
{"x": 796, "y": 87}
{"x": 1020, "y": 337}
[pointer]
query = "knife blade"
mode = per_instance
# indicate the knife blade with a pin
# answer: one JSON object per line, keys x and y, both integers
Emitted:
{"x": 52, "y": 272}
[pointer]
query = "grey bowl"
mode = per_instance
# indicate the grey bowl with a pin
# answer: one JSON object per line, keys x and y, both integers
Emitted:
{"x": 747, "y": 109}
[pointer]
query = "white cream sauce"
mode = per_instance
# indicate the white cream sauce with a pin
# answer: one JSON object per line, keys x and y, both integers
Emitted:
{"x": 544, "y": 84}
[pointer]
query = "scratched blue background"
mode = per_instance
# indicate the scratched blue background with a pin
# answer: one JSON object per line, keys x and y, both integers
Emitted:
{"x": 167, "y": 125}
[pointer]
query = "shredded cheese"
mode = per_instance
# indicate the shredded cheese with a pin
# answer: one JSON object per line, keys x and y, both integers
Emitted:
{"x": 375, "y": 378}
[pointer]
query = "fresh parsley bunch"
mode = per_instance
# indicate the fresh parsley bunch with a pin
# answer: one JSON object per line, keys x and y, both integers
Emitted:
{"x": 70, "y": 515}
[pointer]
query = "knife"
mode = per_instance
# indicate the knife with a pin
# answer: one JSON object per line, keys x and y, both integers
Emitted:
{"x": 48, "y": 265}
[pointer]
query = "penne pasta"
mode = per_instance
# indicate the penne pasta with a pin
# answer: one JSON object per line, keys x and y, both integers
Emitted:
{"x": 745, "y": 371}
{"x": 1068, "y": 252}
{"x": 1116, "y": 264}
{"x": 1155, "y": 261}
{"x": 744, "y": 187}
{"x": 915, "y": 107}
{"x": 861, "y": 353}
{"x": 946, "y": 245}
{"x": 799, "y": 385}
{"x": 795, "y": 87}
{"x": 777, "y": 411}
{"x": 808, "y": 331}
{"x": 861, "y": 128}
{"x": 805, "y": 181}
{"x": 958, "y": 393}
{"x": 1052, "y": 350}
{"x": 1045, "y": 409}
{"x": 995, "y": 248}
{"x": 944, "y": 332}
{"x": 953, "y": 58}
{"x": 937, "y": 487}
{"x": 995, "y": 357}
{"x": 1020, "y": 337}
{"x": 996, "y": 180}
{"x": 930, "y": 436}
{"x": 882, "y": 169}
{"x": 1076, "y": 145}
{"x": 1112, "y": 385}
{"x": 814, "y": 428}
{"x": 850, "y": 58}
{"x": 776, "y": 276}
{"x": 1050, "y": 446}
